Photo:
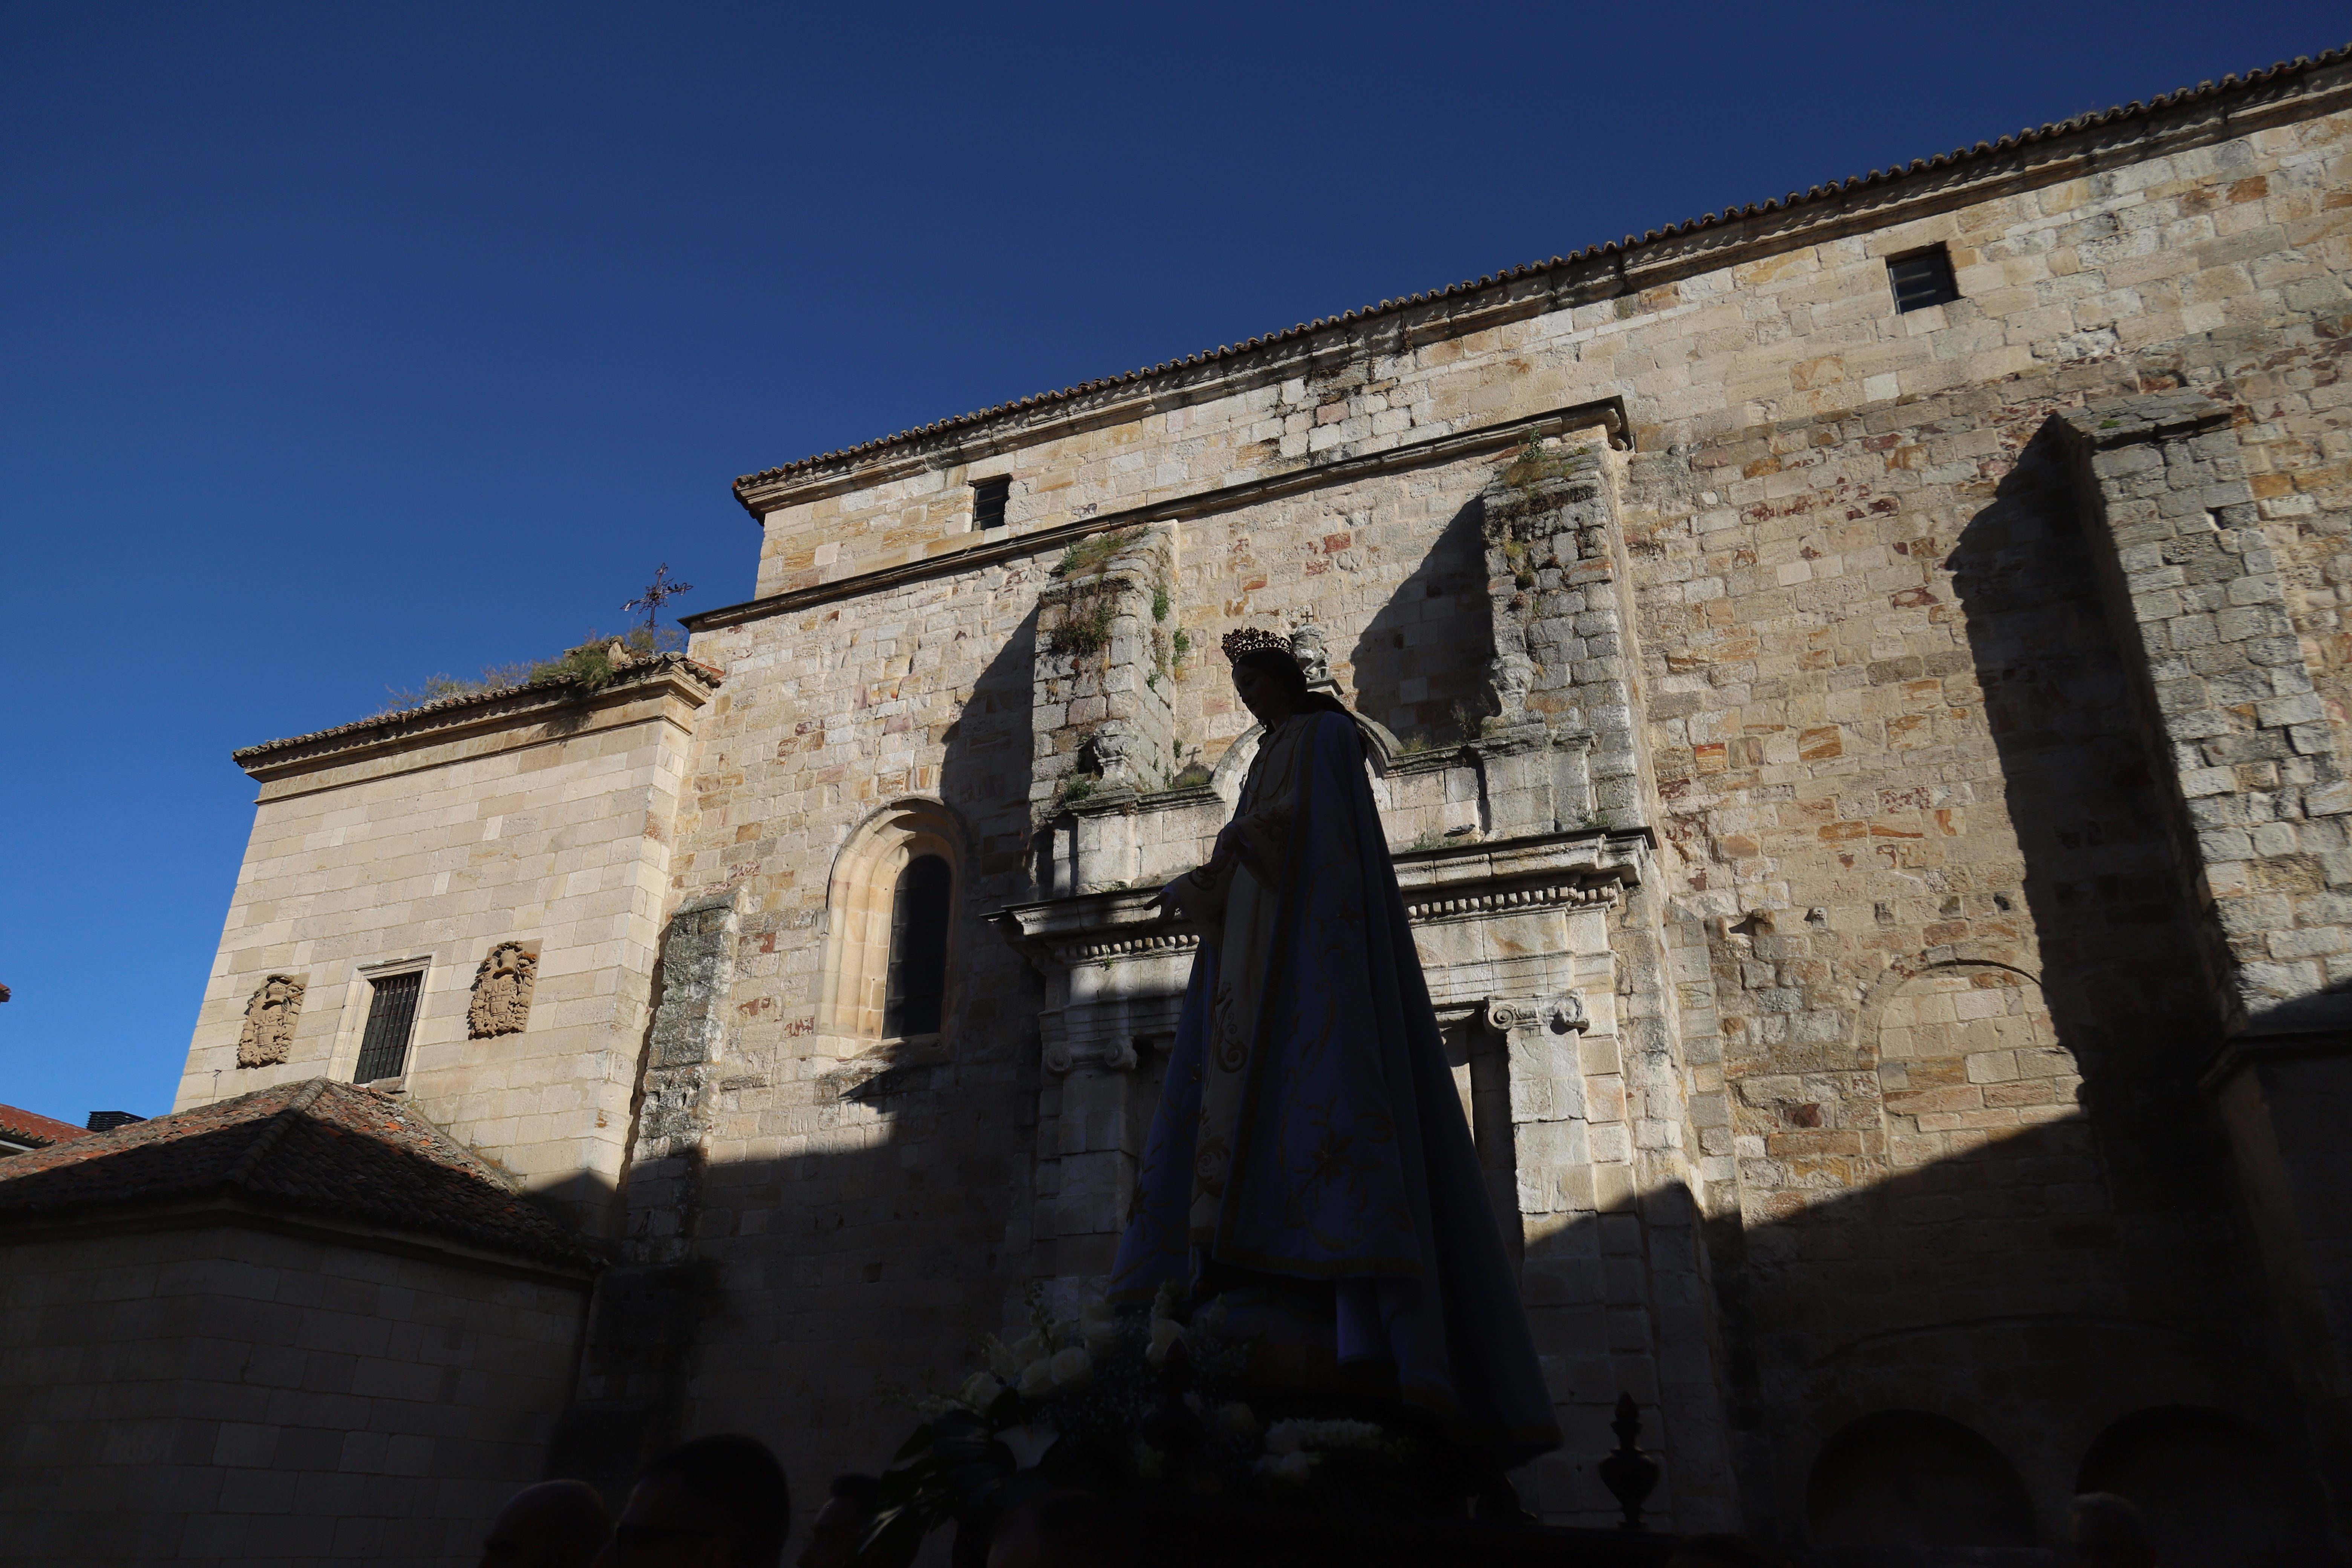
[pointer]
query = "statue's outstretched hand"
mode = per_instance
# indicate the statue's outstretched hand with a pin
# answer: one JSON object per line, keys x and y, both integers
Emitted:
{"x": 1163, "y": 902}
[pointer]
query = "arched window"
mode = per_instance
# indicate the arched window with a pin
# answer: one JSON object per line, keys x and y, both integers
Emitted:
{"x": 890, "y": 931}
{"x": 919, "y": 947}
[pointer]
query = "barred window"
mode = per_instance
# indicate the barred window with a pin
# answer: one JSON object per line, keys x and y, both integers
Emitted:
{"x": 1921, "y": 279}
{"x": 391, "y": 1015}
{"x": 988, "y": 499}
{"x": 919, "y": 947}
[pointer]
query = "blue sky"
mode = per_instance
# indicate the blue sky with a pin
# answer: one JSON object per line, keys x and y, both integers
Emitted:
{"x": 341, "y": 345}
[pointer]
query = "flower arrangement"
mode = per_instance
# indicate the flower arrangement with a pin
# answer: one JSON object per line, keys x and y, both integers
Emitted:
{"x": 1141, "y": 1404}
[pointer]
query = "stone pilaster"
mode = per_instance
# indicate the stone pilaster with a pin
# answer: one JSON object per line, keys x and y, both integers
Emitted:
{"x": 2262, "y": 810}
{"x": 2263, "y": 794}
{"x": 645, "y": 1314}
{"x": 1103, "y": 718}
{"x": 1558, "y": 747}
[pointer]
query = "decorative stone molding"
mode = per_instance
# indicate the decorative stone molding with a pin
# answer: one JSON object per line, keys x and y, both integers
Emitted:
{"x": 1561, "y": 1014}
{"x": 1432, "y": 909}
{"x": 502, "y": 988}
{"x": 1306, "y": 645}
{"x": 1155, "y": 942}
{"x": 1113, "y": 1054}
{"x": 269, "y": 1016}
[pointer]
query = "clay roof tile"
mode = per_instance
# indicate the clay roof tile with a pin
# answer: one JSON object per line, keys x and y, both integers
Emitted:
{"x": 316, "y": 1147}
{"x": 18, "y": 1125}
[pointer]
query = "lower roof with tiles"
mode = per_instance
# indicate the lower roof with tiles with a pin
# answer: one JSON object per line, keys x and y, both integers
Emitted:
{"x": 31, "y": 1130}
{"x": 316, "y": 1147}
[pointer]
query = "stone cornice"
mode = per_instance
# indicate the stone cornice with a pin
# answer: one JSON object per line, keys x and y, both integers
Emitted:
{"x": 2051, "y": 154}
{"x": 973, "y": 551}
{"x": 1585, "y": 868}
{"x": 548, "y": 704}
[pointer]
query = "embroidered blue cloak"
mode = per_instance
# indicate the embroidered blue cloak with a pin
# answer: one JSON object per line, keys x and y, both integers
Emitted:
{"x": 1309, "y": 1132}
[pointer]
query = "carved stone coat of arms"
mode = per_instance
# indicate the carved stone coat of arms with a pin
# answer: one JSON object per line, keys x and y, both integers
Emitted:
{"x": 502, "y": 992}
{"x": 269, "y": 1017}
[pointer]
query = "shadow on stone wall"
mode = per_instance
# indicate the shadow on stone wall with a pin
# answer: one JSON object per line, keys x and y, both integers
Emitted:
{"x": 2034, "y": 1272}
{"x": 828, "y": 1288}
{"x": 1426, "y": 649}
{"x": 2036, "y": 1284}
{"x": 1952, "y": 1291}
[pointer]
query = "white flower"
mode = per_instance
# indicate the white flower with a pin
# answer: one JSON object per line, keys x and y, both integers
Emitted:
{"x": 1294, "y": 1437}
{"x": 1071, "y": 1368}
{"x": 1103, "y": 1331}
{"x": 1028, "y": 1443}
{"x": 1209, "y": 1323}
{"x": 1166, "y": 1334}
{"x": 1235, "y": 1418}
{"x": 1037, "y": 1379}
{"x": 981, "y": 1389}
{"x": 1029, "y": 1348}
{"x": 1286, "y": 1469}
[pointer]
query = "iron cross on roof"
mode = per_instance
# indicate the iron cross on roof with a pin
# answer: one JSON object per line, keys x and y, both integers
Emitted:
{"x": 659, "y": 591}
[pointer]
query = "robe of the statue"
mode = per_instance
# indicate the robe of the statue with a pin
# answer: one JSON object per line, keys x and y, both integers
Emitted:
{"x": 1309, "y": 1160}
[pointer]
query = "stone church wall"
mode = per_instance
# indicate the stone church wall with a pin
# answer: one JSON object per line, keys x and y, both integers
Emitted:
{"x": 222, "y": 1394}
{"x": 424, "y": 842}
{"x": 1889, "y": 735}
{"x": 1779, "y": 718}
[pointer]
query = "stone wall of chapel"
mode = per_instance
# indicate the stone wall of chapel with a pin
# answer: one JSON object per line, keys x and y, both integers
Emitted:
{"x": 1959, "y": 1003}
{"x": 2211, "y": 259}
{"x": 1889, "y": 732}
{"x": 554, "y": 835}
{"x": 219, "y": 1395}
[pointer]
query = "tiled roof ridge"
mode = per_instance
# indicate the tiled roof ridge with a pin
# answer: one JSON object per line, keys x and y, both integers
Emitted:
{"x": 398, "y": 722}
{"x": 488, "y": 1171}
{"x": 2204, "y": 91}
{"x": 273, "y": 1132}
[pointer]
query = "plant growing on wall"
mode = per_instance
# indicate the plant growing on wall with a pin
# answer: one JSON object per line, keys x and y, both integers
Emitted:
{"x": 1086, "y": 616}
{"x": 590, "y": 662}
{"x": 1085, "y": 626}
{"x": 1534, "y": 465}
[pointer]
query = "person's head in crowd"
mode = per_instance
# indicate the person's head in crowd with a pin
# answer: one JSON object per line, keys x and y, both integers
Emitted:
{"x": 834, "y": 1532}
{"x": 715, "y": 1502}
{"x": 2108, "y": 1533}
{"x": 1063, "y": 1529}
{"x": 1716, "y": 1551}
{"x": 555, "y": 1524}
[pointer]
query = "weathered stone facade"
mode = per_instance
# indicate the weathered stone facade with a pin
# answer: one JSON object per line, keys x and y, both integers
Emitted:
{"x": 1866, "y": 781}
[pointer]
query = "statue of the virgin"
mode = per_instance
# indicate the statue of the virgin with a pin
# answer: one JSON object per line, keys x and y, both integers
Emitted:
{"x": 1310, "y": 1166}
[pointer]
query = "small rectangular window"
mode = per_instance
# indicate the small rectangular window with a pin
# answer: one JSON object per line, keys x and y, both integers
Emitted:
{"x": 1922, "y": 278}
{"x": 988, "y": 499}
{"x": 392, "y": 1015}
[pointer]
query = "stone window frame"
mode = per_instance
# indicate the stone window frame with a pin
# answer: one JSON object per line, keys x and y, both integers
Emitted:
{"x": 858, "y": 896}
{"x": 352, "y": 1027}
